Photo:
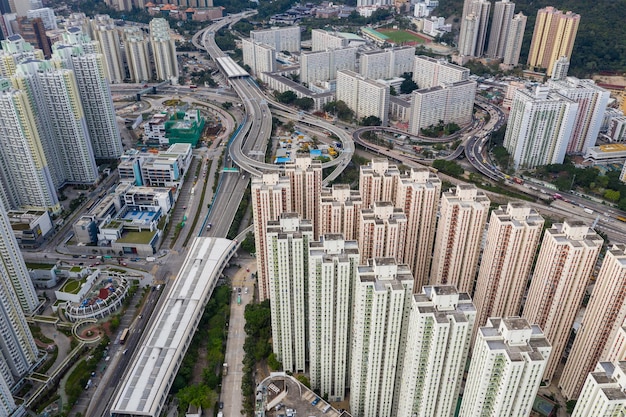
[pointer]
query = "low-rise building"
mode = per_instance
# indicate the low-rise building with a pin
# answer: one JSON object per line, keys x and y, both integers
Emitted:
{"x": 30, "y": 227}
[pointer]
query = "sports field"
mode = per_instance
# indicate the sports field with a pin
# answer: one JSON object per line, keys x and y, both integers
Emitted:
{"x": 401, "y": 37}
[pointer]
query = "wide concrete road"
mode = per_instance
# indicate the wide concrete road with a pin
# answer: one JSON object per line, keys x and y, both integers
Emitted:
{"x": 231, "y": 383}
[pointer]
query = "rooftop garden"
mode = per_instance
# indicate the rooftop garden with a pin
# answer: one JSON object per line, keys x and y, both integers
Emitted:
{"x": 73, "y": 286}
{"x": 141, "y": 238}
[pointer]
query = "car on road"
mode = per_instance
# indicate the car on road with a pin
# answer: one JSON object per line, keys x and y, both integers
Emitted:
{"x": 247, "y": 269}
{"x": 124, "y": 264}
{"x": 184, "y": 207}
{"x": 315, "y": 401}
{"x": 221, "y": 405}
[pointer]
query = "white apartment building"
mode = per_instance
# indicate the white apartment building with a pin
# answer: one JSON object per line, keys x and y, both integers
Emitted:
{"x": 18, "y": 297}
{"x": 333, "y": 263}
{"x": 365, "y": 97}
{"x": 474, "y": 29}
{"x": 388, "y": 63}
{"x": 514, "y": 40}
{"x": 382, "y": 304}
{"x": 568, "y": 255}
{"x": 61, "y": 98}
{"x": 512, "y": 239}
{"x": 604, "y": 392}
{"x": 163, "y": 50}
{"x": 438, "y": 342}
{"x": 320, "y": 66}
{"x": 271, "y": 196}
{"x": 280, "y": 38}
{"x": 258, "y": 56}
{"x": 14, "y": 51}
{"x": 539, "y": 128}
{"x": 462, "y": 217}
{"x": 508, "y": 359}
{"x": 287, "y": 254}
{"x": 617, "y": 129}
{"x": 592, "y": 101}
{"x": 107, "y": 35}
{"x": 46, "y": 15}
{"x": 25, "y": 178}
{"x": 452, "y": 103}
{"x": 378, "y": 181}
{"x": 430, "y": 72}
{"x": 95, "y": 96}
{"x": 305, "y": 180}
{"x": 339, "y": 211}
{"x": 602, "y": 321}
{"x": 417, "y": 194}
{"x": 503, "y": 11}
{"x": 322, "y": 40}
{"x": 137, "y": 54}
{"x": 382, "y": 232}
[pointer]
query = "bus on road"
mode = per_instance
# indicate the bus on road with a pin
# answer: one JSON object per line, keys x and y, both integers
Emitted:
{"x": 124, "y": 336}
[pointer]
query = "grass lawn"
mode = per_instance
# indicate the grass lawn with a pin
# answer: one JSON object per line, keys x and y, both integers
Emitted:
{"x": 35, "y": 265}
{"x": 400, "y": 36}
{"x": 73, "y": 286}
{"x": 144, "y": 237}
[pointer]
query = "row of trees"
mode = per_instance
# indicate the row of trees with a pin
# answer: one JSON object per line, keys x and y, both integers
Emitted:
{"x": 211, "y": 336}
{"x": 257, "y": 347}
{"x": 289, "y": 97}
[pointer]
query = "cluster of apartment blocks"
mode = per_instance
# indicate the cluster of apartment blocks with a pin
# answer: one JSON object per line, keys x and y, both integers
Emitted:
{"x": 43, "y": 102}
{"x": 328, "y": 72}
{"x": 346, "y": 289}
{"x": 129, "y": 53}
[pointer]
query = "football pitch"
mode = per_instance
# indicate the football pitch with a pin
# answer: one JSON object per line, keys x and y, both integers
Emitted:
{"x": 400, "y": 36}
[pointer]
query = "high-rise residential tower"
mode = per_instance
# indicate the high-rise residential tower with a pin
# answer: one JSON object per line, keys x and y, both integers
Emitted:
{"x": 18, "y": 351}
{"x": 321, "y": 66}
{"x": 512, "y": 239}
{"x": 365, "y": 97}
{"x": 508, "y": 359}
{"x": 305, "y": 179}
{"x": 60, "y": 105}
{"x": 604, "y": 392}
{"x": 271, "y": 196}
{"x": 474, "y": 29}
{"x": 378, "y": 181}
{"x": 553, "y": 37}
{"x": 333, "y": 263}
{"x": 107, "y": 35}
{"x": 502, "y": 17}
{"x": 137, "y": 54}
{"x": 568, "y": 254}
{"x": 603, "y": 318}
{"x": 382, "y": 232}
{"x": 258, "y": 56}
{"x": 280, "y": 38}
{"x": 388, "y": 63}
{"x": 382, "y": 302}
{"x": 94, "y": 93}
{"x": 339, "y": 211}
{"x": 462, "y": 219}
{"x": 514, "y": 40}
{"x": 25, "y": 178}
{"x": 439, "y": 335}
{"x": 322, "y": 39}
{"x": 592, "y": 102}
{"x": 16, "y": 50}
{"x": 287, "y": 255}
{"x": 418, "y": 194}
{"x": 163, "y": 49}
{"x": 539, "y": 128}
{"x": 430, "y": 72}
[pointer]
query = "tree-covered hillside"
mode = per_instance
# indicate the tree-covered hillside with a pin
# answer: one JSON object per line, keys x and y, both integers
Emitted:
{"x": 601, "y": 41}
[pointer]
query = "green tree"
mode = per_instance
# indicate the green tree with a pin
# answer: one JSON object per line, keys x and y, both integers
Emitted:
{"x": 227, "y": 105}
{"x": 198, "y": 395}
{"x": 305, "y": 103}
{"x": 408, "y": 85}
{"x": 273, "y": 363}
{"x": 371, "y": 121}
{"x": 612, "y": 195}
{"x": 448, "y": 167}
{"x": 287, "y": 97}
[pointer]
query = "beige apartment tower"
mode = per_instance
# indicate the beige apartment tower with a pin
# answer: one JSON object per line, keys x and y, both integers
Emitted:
{"x": 382, "y": 232}
{"x": 462, "y": 219}
{"x": 271, "y": 196}
{"x": 512, "y": 239}
{"x": 604, "y": 392}
{"x": 339, "y": 211}
{"x": 553, "y": 37}
{"x": 568, "y": 254}
{"x": 417, "y": 193}
{"x": 439, "y": 336}
{"x": 305, "y": 179}
{"x": 601, "y": 323}
{"x": 377, "y": 181}
{"x": 508, "y": 359}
